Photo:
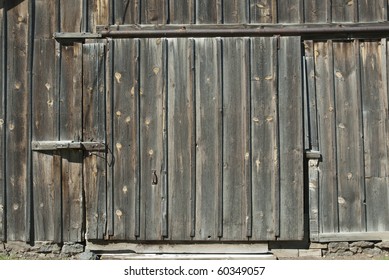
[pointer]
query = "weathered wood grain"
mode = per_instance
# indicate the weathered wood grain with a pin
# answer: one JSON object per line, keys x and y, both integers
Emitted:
{"x": 236, "y": 11}
{"x": 263, "y": 11}
{"x": 209, "y": 11}
{"x": 71, "y": 14}
{"x": 317, "y": 11}
{"x": 344, "y": 11}
{"x": 152, "y": 131}
{"x": 181, "y": 11}
{"x": 46, "y": 166}
{"x": 181, "y": 135}
{"x": 290, "y": 11}
{"x": 154, "y": 11}
{"x": 264, "y": 138}
{"x": 98, "y": 14}
{"x": 70, "y": 128}
{"x": 372, "y": 10}
{"x": 126, "y": 11}
{"x": 291, "y": 139}
{"x": 125, "y": 137}
{"x": 3, "y": 78}
{"x": 44, "y": 25}
{"x": 236, "y": 134}
{"x": 209, "y": 139}
{"x": 94, "y": 130}
{"x": 17, "y": 136}
{"x": 349, "y": 138}
{"x": 328, "y": 181}
{"x": 375, "y": 130}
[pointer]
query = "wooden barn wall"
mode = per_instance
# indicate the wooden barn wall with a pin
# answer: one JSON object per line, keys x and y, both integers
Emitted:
{"x": 42, "y": 195}
{"x": 350, "y": 97}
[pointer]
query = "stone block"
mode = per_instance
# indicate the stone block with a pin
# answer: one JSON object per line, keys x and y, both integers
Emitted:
{"x": 17, "y": 246}
{"x": 372, "y": 251}
{"x": 362, "y": 244}
{"x": 87, "y": 256}
{"x": 310, "y": 253}
{"x": 318, "y": 246}
{"x": 70, "y": 248}
{"x": 383, "y": 245}
{"x": 285, "y": 253}
{"x": 334, "y": 247}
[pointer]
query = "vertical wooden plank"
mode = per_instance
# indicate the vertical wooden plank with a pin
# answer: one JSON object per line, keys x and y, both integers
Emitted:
{"x": 154, "y": 11}
{"x": 208, "y": 138}
{"x": 235, "y": 11}
{"x": 45, "y": 25}
{"x": 152, "y": 125}
{"x": 94, "y": 130}
{"x": 125, "y": 137}
{"x": 372, "y": 10}
{"x": 71, "y": 14}
{"x": 264, "y": 139}
{"x": 70, "y": 113}
{"x": 98, "y": 14}
{"x": 209, "y": 11}
{"x": 126, "y": 11}
{"x": 181, "y": 11}
{"x": 375, "y": 109}
{"x": 291, "y": 139}
{"x": 46, "y": 166}
{"x": 349, "y": 142}
{"x": 324, "y": 81}
{"x": 344, "y": 11}
{"x": 236, "y": 132}
{"x": 2, "y": 120}
{"x": 316, "y": 11}
{"x": 291, "y": 11}
{"x": 17, "y": 137}
{"x": 181, "y": 135}
{"x": 263, "y": 11}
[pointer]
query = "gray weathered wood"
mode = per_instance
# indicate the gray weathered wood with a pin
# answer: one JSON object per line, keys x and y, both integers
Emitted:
{"x": 98, "y": 14}
{"x": 372, "y": 10}
{"x": 3, "y": 77}
{"x": 181, "y": 135}
{"x": 291, "y": 139}
{"x": 328, "y": 181}
{"x": 17, "y": 124}
{"x": 317, "y": 11}
{"x": 71, "y": 12}
{"x": 354, "y": 236}
{"x": 125, "y": 137}
{"x": 290, "y": 11}
{"x": 154, "y": 11}
{"x": 70, "y": 110}
{"x": 236, "y": 132}
{"x": 344, "y": 11}
{"x": 208, "y": 139}
{"x": 209, "y": 11}
{"x": 349, "y": 137}
{"x": 126, "y": 11}
{"x": 263, "y": 11}
{"x": 236, "y": 11}
{"x": 46, "y": 165}
{"x": 375, "y": 130}
{"x": 94, "y": 130}
{"x": 181, "y": 11}
{"x": 152, "y": 127}
{"x": 44, "y": 25}
{"x": 264, "y": 138}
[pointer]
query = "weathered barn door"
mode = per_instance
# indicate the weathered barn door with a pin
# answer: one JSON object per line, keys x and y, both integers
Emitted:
{"x": 206, "y": 136}
{"x": 68, "y": 148}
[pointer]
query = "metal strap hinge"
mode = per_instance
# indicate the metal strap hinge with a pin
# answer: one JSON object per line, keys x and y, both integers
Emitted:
{"x": 67, "y": 145}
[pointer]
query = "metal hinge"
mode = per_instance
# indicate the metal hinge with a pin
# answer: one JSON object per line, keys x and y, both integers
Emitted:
{"x": 67, "y": 145}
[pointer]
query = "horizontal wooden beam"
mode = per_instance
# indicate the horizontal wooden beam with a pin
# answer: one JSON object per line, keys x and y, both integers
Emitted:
{"x": 353, "y": 236}
{"x": 306, "y": 31}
